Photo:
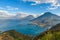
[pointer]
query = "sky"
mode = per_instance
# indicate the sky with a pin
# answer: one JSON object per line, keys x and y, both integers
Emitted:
{"x": 30, "y": 6}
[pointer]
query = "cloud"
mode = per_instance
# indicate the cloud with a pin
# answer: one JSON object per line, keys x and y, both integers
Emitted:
{"x": 37, "y": 15}
{"x": 21, "y": 14}
{"x": 11, "y": 8}
{"x": 3, "y": 12}
{"x": 6, "y": 15}
{"x": 52, "y": 8}
{"x": 41, "y": 1}
{"x": 55, "y": 3}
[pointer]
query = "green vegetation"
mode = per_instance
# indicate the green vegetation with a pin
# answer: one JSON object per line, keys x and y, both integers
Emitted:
{"x": 52, "y": 34}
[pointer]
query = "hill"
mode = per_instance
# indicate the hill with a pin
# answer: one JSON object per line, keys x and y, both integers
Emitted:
{"x": 52, "y": 34}
{"x": 13, "y": 35}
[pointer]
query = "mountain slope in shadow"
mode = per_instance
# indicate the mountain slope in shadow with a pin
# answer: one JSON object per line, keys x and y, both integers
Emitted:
{"x": 47, "y": 19}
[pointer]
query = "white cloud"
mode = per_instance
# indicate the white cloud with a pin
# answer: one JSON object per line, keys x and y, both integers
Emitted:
{"x": 6, "y": 15}
{"x": 52, "y": 2}
{"x": 58, "y": 14}
{"x": 37, "y": 15}
{"x": 3, "y": 12}
{"x": 54, "y": 5}
{"x": 11, "y": 8}
{"x": 41, "y": 1}
{"x": 52, "y": 8}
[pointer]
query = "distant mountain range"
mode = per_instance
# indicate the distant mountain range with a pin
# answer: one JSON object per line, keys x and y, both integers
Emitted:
{"x": 47, "y": 19}
{"x": 14, "y": 19}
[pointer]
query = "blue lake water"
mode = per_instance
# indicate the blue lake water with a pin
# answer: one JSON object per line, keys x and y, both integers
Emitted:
{"x": 25, "y": 29}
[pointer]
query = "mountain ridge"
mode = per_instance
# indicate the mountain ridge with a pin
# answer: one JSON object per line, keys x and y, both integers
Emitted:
{"x": 47, "y": 19}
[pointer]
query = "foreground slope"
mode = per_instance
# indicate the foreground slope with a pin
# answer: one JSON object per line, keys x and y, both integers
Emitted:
{"x": 52, "y": 34}
{"x": 13, "y": 35}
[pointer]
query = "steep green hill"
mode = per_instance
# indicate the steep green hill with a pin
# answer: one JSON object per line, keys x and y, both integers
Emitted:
{"x": 52, "y": 34}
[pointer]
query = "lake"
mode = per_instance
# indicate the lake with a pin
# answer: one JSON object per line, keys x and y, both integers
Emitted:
{"x": 25, "y": 29}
